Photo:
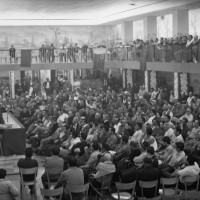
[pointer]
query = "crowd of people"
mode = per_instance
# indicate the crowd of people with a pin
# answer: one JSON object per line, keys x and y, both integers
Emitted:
{"x": 89, "y": 133}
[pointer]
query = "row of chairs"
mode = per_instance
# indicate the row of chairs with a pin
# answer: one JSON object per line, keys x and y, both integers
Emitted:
{"x": 121, "y": 188}
{"x": 166, "y": 192}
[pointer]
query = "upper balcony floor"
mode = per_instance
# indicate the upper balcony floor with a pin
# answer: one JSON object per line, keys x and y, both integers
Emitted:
{"x": 175, "y": 53}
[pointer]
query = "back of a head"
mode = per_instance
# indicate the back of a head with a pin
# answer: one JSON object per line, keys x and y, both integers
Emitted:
{"x": 29, "y": 152}
{"x": 145, "y": 145}
{"x": 95, "y": 146}
{"x": 125, "y": 139}
{"x": 83, "y": 135}
{"x": 166, "y": 139}
{"x": 150, "y": 150}
{"x": 149, "y": 131}
{"x": 2, "y": 173}
{"x": 191, "y": 159}
{"x": 55, "y": 151}
{"x": 72, "y": 162}
{"x": 107, "y": 157}
{"x": 105, "y": 146}
{"x": 148, "y": 161}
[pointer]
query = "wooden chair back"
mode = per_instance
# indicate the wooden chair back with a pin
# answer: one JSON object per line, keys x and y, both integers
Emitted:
{"x": 29, "y": 171}
{"x": 56, "y": 193}
{"x": 147, "y": 185}
{"x": 191, "y": 180}
{"x": 78, "y": 189}
{"x": 125, "y": 186}
{"x": 105, "y": 184}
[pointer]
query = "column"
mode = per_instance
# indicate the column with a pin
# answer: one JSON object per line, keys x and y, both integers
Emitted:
{"x": 180, "y": 26}
{"x": 71, "y": 77}
{"x": 150, "y": 27}
{"x": 153, "y": 80}
{"x": 124, "y": 77}
{"x": 180, "y": 22}
{"x": 12, "y": 83}
{"x": 127, "y": 31}
{"x": 129, "y": 77}
{"x": 146, "y": 81}
{"x": 184, "y": 83}
{"x": 176, "y": 85}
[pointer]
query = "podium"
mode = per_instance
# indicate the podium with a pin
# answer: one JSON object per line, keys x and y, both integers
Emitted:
{"x": 14, "y": 138}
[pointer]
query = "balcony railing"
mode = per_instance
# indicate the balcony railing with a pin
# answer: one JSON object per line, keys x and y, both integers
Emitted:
{"x": 148, "y": 53}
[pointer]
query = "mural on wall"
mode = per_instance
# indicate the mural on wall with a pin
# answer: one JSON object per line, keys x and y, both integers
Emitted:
{"x": 34, "y": 37}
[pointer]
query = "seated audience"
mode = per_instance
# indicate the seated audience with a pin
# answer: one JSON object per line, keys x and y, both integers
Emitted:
{"x": 54, "y": 167}
{"x": 6, "y": 186}
{"x": 27, "y": 163}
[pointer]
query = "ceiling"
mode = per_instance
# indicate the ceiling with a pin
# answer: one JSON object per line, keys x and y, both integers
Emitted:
{"x": 78, "y": 12}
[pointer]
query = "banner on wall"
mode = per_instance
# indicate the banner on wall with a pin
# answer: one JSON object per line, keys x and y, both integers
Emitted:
{"x": 99, "y": 62}
{"x": 12, "y": 83}
{"x": 26, "y": 58}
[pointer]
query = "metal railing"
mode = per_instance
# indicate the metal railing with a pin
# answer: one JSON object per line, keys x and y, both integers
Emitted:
{"x": 148, "y": 53}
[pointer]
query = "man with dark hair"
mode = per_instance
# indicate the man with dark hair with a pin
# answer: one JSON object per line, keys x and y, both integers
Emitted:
{"x": 28, "y": 163}
{"x": 124, "y": 149}
{"x": 6, "y": 186}
{"x": 138, "y": 135}
{"x": 112, "y": 139}
{"x": 168, "y": 149}
{"x": 191, "y": 169}
{"x": 148, "y": 173}
{"x": 72, "y": 176}
{"x": 54, "y": 166}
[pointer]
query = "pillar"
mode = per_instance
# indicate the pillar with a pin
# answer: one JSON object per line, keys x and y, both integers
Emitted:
{"x": 180, "y": 22}
{"x": 127, "y": 31}
{"x": 180, "y": 26}
{"x": 184, "y": 83}
{"x": 129, "y": 77}
{"x": 146, "y": 81}
{"x": 71, "y": 77}
{"x": 150, "y": 27}
{"x": 153, "y": 80}
{"x": 12, "y": 83}
{"x": 176, "y": 85}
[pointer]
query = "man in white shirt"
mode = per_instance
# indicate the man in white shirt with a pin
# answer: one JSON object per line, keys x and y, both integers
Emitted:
{"x": 138, "y": 135}
{"x": 62, "y": 118}
{"x": 117, "y": 125}
{"x": 152, "y": 116}
{"x": 169, "y": 132}
{"x": 188, "y": 115}
{"x": 191, "y": 170}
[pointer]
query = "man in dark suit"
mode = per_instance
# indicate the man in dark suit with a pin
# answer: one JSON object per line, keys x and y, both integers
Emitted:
{"x": 85, "y": 126}
{"x": 148, "y": 173}
{"x": 106, "y": 120}
{"x": 28, "y": 163}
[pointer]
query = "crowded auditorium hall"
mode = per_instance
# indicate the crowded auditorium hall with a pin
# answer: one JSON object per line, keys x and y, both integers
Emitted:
{"x": 100, "y": 100}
